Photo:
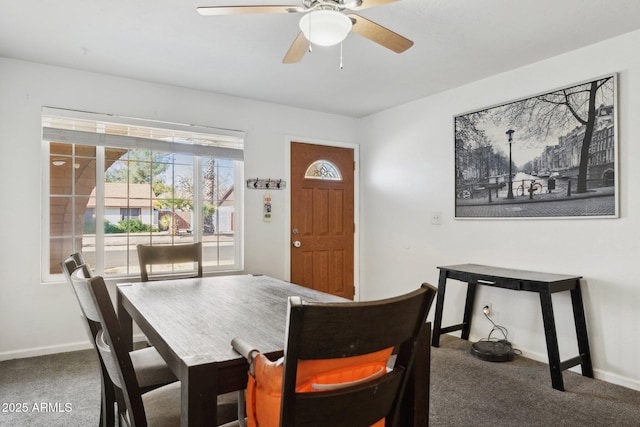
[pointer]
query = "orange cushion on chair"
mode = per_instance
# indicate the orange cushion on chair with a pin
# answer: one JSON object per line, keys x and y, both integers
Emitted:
{"x": 265, "y": 388}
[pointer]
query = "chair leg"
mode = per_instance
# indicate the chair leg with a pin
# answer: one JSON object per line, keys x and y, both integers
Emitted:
{"x": 242, "y": 405}
{"x": 122, "y": 408}
{"x": 107, "y": 418}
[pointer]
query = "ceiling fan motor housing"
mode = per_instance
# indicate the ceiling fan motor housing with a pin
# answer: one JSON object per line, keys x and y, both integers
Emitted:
{"x": 325, "y": 27}
{"x": 333, "y": 4}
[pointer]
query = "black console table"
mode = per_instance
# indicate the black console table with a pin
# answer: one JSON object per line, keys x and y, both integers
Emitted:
{"x": 544, "y": 284}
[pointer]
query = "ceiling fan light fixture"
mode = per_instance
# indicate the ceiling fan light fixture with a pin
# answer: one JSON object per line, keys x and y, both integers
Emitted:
{"x": 325, "y": 27}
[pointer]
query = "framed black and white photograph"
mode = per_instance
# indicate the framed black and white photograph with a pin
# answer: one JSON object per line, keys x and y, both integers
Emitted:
{"x": 552, "y": 155}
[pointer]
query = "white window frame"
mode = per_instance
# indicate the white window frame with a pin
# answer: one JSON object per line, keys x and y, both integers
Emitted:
{"x": 108, "y": 140}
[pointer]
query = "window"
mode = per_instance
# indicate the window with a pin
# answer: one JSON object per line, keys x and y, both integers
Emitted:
{"x": 130, "y": 213}
{"x": 113, "y": 183}
{"x": 323, "y": 169}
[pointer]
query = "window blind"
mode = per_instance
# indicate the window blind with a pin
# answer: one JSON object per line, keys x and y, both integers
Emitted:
{"x": 94, "y": 129}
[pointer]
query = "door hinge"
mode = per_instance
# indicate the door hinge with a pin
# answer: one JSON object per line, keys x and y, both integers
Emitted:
{"x": 354, "y": 165}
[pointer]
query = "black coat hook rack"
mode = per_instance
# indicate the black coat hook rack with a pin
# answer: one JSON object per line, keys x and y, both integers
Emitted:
{"x": 266, "y": 183}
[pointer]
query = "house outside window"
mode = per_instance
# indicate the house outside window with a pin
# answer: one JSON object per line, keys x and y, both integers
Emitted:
{"x": 112, "y": 183}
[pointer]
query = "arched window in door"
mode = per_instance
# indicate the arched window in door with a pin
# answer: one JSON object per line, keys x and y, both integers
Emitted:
{"x": 323, "y": 169}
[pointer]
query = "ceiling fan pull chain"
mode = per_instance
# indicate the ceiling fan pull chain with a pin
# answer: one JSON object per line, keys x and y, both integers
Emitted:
{"x": 341, "y": 66}
{"x": 310, "y": 48}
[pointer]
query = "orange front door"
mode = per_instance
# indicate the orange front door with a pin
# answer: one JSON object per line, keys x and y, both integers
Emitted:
{"x": 322, "y": 218}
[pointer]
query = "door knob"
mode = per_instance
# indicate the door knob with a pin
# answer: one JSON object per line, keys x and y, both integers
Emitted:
{"x": 296, "y": 243}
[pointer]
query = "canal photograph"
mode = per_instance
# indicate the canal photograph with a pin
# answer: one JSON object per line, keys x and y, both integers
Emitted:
{"x": 551, "y": 155}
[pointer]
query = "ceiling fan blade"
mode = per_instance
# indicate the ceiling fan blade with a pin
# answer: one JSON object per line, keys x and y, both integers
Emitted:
{"x": 297, "y": 50}
{"x": 371, "y": 3}
{"x": 379, "y": 34}
{"x": 237, "y": 10}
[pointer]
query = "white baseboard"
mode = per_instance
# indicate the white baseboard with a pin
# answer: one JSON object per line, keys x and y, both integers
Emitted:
{"x": 597, "y": 373}
{"x": 42, "y": 351}
{"x": 53, "y": 349}
{"x": 616, "y": 379}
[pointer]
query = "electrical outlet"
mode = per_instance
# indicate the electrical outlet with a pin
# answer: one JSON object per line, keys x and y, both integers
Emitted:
{"x": 487, "y": 309}
{"x": 436, "y": 218}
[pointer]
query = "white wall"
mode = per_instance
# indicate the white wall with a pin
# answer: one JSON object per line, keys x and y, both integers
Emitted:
{"x": 37, "y": 318}
{"x": 406, "y": 172}
{"x": 407, "y": 159}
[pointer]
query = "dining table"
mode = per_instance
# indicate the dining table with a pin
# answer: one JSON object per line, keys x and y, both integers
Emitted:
{"x": 191, "y": 323}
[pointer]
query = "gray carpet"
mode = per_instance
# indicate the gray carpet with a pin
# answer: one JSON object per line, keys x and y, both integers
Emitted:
{"x": 464, "y": 392}
{"x": 49, "y": 391}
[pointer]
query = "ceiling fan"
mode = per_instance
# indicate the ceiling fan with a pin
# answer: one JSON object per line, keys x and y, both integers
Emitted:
{"x": 324, "y": 23}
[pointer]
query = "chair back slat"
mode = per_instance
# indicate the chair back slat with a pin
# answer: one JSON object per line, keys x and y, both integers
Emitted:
{"x": 366, "y": 404}
{"x": 364, "y": 327}
{"x": 81, "y": 288}
{"x": 107, "y": 357}
{"x": 149, "y": 255}
{"x": 369, "y": 326}
{"x": 70, "y": 265}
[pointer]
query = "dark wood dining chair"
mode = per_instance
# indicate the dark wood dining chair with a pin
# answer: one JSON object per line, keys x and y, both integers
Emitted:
{"x": 336, "y": 370}
{"x": 158, "y": 407}
{"x": 169, "y": 256}
{"x": 150, "y": 369}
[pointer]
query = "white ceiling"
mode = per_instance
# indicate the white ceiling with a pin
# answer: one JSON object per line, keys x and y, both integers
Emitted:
{"x": 166, "y": 41}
